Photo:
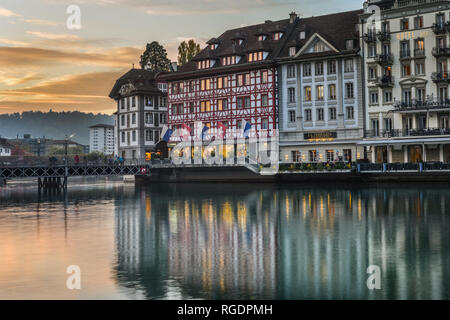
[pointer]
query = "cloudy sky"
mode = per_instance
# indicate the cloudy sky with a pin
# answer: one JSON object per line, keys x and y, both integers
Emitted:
{"x": 44, "y": 65}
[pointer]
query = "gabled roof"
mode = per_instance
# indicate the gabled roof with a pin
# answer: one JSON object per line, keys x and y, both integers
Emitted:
{"x": 333, "y": 29}
{"x": 139, "y": 81}
{"x": 227, "y": 47}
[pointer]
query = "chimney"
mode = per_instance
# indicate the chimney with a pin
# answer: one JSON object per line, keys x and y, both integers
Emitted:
{"x": 292, "y": 17}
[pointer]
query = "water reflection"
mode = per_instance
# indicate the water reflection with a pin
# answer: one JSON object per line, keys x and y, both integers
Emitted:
{"x": 230, "y": 241}
{"x": 293, "y": 242}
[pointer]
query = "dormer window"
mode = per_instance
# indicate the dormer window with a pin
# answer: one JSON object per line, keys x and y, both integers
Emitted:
{"x": 226, "y": 61}
{"x": 255, "y": 56}
{"x": 261, "y": 37}
{"x": 292, "y": 51}
{"x": 237, "y": 42}
{"x": 204, "y": 64}
{"x": 213, "y": 46}
{"x": 277, "y": 36}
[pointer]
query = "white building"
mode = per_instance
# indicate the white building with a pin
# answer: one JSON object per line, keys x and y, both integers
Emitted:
{"x": 101, "y": 139}
{"x": 406, "y": 74}
{"x": 141, "y": 113}
{"x": 5, "y": 151}
{"x": 321, "y": 109}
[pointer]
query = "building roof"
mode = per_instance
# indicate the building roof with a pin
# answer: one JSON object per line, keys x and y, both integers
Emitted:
{"x": 63, "y": 142}
{"x": 226, "y": 47}
{"x": 135, "y": 81}
{"x": 4, "y": 143}
{"x": 107, "y": 126}
{"x": 335, "y": 29}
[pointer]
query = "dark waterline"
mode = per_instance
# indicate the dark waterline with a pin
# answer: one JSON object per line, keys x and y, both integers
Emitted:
{"x": 229, "y": 241}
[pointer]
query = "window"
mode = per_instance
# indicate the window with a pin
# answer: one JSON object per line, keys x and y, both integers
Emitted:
{"x": 308, "y": 115}
{"x": 420, "y": 67}
{"x": 122, "y": 120}
{"x": 320, "y": 114}
{"x": 307, "y": 70}
{"x": 122, "y": 104}
{"x": 133, "y": 118}
{"x": 291, "y": 71}
{"x": 205, "y": 84}
{"x": 148, "y": 118}
{"x": 308, "y": 94}
{"x": 347, "y": 155}
{"x": 372, "y": 49}
{"x": 404, "y": 24}
{"x": 420, "y": 94}
{"x": 134, "y": 136}
{"x": 332, "y": 112}
{"x": 350, "y": 113}
{"x": 348, "y": 65}
{"x": 205, "y": 106}
{"x": 406, "y": 69}
{"x": 373, "y": 96}
{"x": 387, "y": 124}
{"x": 387, "y": 96}
{"x": 296, "y": 156}
{"x": 291, "y": 95}
{"x": 330, "y": 155}
{"x": 148, "y": 135}
{"x": 332, "y": 67}
{"x": 277, "y": 36}
{"x": 247, "y": 102}
{"x": 292, "y": 51}
{"x": 123, "y": 137}
{"x": 319, "y": 92}
{"x": 332, "y": 91}
{"x": 191, "y": 107}
{"x": 372, "y": 73}
{"x": 291, "y": 116}
{"x": 349, "y": 91}
{"x": 349, "y": 44}
{"x": 319, "y": 68}
{"x": 264, "y": 100}
{"x": 148, "y": 102}
{"x": 247, "y": 79}
{"x": 240, "y": 80}
{"x": 255, "y": 56}
{"x": 222, "y": 82}
{"x": 312, "y": 155}
{"x": 264, "y": 77}
{"x": 265, "y": 124}
{"x": 222, "y": 104}
{"x": 133, "y": 99}
{"x": 240, "y": 103}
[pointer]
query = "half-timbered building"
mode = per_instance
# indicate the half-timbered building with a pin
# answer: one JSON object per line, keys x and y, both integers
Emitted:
{"x": 230, "y": 82}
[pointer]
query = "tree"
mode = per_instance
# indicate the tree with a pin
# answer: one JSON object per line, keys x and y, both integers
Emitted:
{"x": 186, "y": 51}
{"x": 155, "y": 58}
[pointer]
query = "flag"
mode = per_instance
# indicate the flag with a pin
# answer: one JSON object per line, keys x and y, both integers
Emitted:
{"x": 205, "y": 129}
{"x": 222, "y": 130}
{"x": 166, "y": 133}
{"x": 186, "y": 133}
{"x": 247, "y": 126}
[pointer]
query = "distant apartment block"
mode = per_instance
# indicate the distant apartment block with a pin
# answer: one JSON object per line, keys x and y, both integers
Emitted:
{"x": 102, "y": 139}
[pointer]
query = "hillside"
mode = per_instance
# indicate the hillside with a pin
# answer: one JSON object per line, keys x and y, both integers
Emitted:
{"x": 52, "y": 125}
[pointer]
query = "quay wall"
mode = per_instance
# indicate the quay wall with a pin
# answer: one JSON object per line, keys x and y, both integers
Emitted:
{"x": 242, "y": 174}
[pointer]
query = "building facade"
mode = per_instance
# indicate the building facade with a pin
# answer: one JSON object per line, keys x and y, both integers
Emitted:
{"x": 141, "y": 113}
{"x": 406, "y": 75}
{"x": 232, "y": 81}
{"x": 321, "y": 95}
{"x": 101, "y": 139}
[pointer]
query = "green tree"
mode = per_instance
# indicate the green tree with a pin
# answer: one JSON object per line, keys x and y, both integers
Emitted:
{"x": 187, "y": 51}
{"x": 155, "y": 58}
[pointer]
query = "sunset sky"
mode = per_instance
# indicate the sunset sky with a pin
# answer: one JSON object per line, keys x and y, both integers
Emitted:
{"x": 44, "y": 65}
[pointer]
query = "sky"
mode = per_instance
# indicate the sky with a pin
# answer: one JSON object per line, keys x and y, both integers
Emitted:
{"x": 46, "y": 65}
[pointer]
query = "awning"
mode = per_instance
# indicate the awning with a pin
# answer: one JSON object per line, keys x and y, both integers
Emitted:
{"x": 415, "y": 141}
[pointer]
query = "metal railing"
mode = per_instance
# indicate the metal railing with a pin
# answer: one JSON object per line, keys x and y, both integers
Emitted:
{"x": 408, "y": 133}
{"x": 399, "y": 167}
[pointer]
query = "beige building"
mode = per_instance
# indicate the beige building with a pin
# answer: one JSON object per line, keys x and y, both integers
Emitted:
{"x": 406, "y": 52}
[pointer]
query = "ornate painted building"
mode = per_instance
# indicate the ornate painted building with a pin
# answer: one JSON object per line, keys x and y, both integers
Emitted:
{"x": 141, "y": 113}
{"x": 233, "y": 79}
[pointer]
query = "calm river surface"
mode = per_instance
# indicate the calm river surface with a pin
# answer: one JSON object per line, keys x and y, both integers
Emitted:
{"x": 225, "y": 241}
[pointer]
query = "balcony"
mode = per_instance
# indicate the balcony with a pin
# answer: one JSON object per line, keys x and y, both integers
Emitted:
{"x": 440, "y": 77}
{"x": 408, "y": 133}
{"x": 439, "y": 28}
{"x": 405, "y": 54}
{"x": 370, "y": 37}
{"x": 384, "y": 36}
{"x": 417, "y": 105}
{"x": 419, "y": 53}
{"x": 385, "y": 81}
{"x": 385, "y": 59}
{"x": 441, "y": 52}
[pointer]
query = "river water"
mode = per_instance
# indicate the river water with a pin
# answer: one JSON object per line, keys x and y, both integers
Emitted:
{"x": 225, "y": 241}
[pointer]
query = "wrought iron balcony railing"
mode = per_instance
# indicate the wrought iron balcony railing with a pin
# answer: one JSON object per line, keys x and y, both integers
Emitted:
{"x": 385, "y": 59}
{"x": 408, "y": 133}
{"x": 419, "y": 53}
{"x": 384, "y": 36}
{"x": 370, "y": 37}
{"x": 441, "y": 52}
{"x": 422, "y": 104}
{"x": 385, "y": 81}
{"x": 440, "y": 77}
{"x": 439, "y": 28}
{"x": 405, "y": 54}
